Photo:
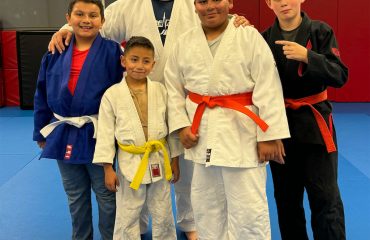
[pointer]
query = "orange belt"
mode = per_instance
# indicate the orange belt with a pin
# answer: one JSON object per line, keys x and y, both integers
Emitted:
{"x": 308, "y": 101}
{"x": 236, "y": 102}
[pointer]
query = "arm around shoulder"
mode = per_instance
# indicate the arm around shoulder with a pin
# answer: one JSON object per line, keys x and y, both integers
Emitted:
{"x": 114, "y": 26}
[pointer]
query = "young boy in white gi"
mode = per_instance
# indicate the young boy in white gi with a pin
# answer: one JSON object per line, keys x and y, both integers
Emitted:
{"x": 223, "y": 82}
{"x": 69, "y": 89}
{"x": 133, "y": 113}
{"x": 308, "y": 60}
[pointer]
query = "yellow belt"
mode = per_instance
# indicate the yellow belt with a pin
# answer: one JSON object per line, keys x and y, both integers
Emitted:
{"x": 149, "y": 147}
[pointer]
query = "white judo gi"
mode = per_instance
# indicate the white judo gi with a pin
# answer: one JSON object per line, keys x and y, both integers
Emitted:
{"x": 228, "y": 188}
{"x": 119, "y": 120}
{"x": 127, "y": 18}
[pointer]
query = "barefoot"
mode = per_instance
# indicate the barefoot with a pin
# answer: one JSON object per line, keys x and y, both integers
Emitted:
{"x": 192, "y": 235}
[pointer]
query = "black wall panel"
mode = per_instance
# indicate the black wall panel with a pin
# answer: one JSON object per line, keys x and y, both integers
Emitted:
{"x": 31, "y": 46}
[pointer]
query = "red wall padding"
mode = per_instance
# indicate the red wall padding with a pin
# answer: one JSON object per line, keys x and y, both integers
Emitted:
{"x": 2, "y": 86}
{"x": 354, "y": 40}
{"x": 11, "y": 87}
{"x": 248, "y": 9}
{"x": 10, "y": 68}
{"x": 2, "y": 89}
{"x": 9, "y": 50}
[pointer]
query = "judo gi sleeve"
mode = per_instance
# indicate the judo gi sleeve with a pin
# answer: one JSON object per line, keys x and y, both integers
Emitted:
{"x": 325, "y": 64}
{"x": 42, "y": 112}
{"x": 105, "y": 142}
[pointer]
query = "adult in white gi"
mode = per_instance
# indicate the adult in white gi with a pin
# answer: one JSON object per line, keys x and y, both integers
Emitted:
{"x": 119, "y": 120}
{"x": 216, "y": 59}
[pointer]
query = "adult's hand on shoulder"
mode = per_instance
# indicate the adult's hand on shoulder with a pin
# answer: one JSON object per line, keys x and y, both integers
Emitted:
{"x": 57, "y": 43}
{"x": 241, "y": 21}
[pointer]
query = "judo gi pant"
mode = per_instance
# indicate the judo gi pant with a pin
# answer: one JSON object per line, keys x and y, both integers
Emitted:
{"x": 310, "y": 167}
{"x": 130, "y": 203}
{"x": 230, "y": 203}
{"x": 184, "y": 210}
{"x": 78, "y": 179}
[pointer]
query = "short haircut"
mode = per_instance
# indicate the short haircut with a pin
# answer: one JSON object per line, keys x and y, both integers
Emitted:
{"x": 96, "y": 2}
{"x": 139, "y": 42}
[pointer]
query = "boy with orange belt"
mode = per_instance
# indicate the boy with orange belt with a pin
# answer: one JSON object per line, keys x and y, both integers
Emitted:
{"x": 223, "y": 81}
{"x": 308, "y": 61}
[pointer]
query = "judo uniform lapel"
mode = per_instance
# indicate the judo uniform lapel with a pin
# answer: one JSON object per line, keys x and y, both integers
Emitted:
{"x": 302, "y": 38}
{"x": 223, "y": 50}
{"x": 85, "y": 75}
{"x": 155, "y": 36}
{"x": 133, "y": 116}
{"x": 153, "y": 125}
{"x": 207, "y": 58}
{"x": 77, "y": 106}
{"x": 277, "y": 50}
{"x": 155, "y": 132}
{"x": 181, "y": 21}
{"x": 215, "y": 63}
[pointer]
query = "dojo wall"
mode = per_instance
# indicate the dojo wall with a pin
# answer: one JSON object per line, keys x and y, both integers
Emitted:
{"x": 349, "y": 21}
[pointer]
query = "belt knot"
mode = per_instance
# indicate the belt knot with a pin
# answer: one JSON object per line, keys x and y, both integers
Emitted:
{"x": 208, "y": 101}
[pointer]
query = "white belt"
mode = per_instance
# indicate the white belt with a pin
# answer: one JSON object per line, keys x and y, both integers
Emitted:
{"x": 75, "y": 121}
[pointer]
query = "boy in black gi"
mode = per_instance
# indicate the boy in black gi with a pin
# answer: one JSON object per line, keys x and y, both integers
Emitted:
{"x": 307, "y": 57}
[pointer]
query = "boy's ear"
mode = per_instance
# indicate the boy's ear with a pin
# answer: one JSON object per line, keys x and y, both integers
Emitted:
{"x": 68, "y": 19}
{"x": 231, "y": 4}
{"x": 268, "y": 2}
{"x": 123, "y": 61}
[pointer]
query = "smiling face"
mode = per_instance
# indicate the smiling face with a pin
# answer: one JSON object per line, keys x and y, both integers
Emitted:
{"x": 287, "y": 11}
{"x": 213, "y": 13}
{"x": 139, "y": 62}
{"x": 86, "y": 20}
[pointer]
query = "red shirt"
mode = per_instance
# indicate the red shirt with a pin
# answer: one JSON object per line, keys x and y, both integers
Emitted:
{"x": 78, "y": 59}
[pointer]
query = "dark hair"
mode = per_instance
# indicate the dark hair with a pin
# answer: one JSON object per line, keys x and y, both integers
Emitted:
{"x": 96, "y": 2}
{"x": 138, "y": 42}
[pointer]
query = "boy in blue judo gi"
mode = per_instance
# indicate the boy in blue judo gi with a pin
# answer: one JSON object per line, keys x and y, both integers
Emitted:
{"x": 69, "y": 90}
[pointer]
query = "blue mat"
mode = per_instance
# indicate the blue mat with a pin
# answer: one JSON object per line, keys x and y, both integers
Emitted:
{"x": 33, "y": 204}
{"x": 353, "y": 133}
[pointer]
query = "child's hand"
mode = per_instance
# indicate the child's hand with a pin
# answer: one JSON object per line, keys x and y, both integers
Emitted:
{"x": 294, "y": 51}
{"x": 175, "y": 169}
{"x": 187, "y": 138}
{"x": 111, "y": 180}
{"x": 271, "y": 150}
{"x": 41, "y": 144}
{"x": 57, "y": 43}
{"x": 241, "y": 21}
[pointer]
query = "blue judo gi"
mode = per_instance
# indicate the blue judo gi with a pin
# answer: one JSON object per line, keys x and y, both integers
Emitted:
{"x": 70, "y": 144}
{"x": 101, "y": 69}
